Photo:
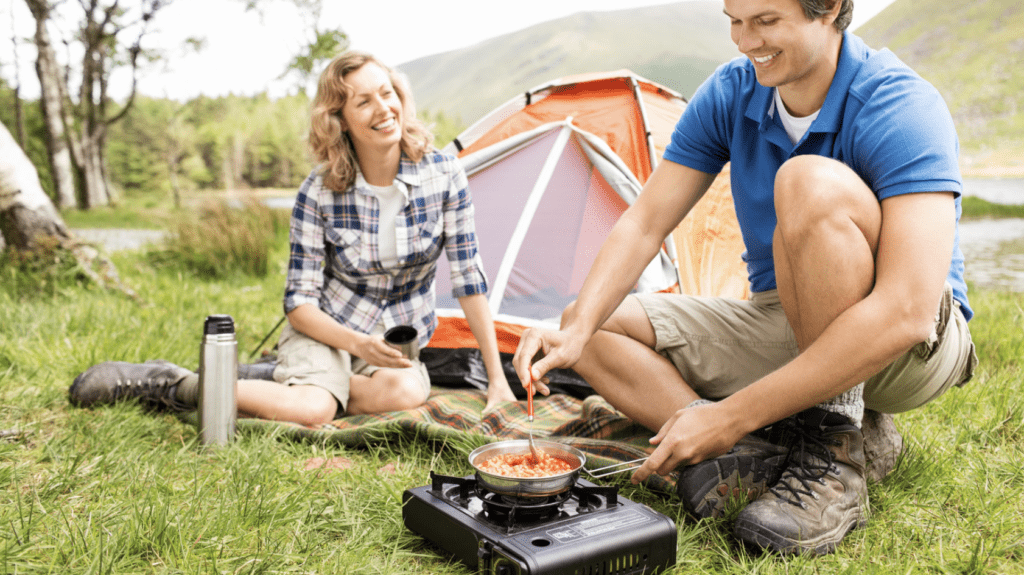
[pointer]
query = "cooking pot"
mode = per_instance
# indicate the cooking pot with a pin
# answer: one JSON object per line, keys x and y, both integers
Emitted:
{"x": 528, "y": 486}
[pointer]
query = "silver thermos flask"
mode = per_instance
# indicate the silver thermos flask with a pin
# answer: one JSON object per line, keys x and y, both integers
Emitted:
{"x": 218, "y": 377}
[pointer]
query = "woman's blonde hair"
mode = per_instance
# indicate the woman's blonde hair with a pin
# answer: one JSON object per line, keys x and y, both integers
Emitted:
{"x": 330, "y": 145}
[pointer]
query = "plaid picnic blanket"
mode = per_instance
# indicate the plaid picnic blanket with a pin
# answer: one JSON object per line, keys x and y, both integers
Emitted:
{"x": 591, "y": 425}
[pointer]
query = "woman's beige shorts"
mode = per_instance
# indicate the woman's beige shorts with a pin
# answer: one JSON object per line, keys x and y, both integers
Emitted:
{"x": 303, "y": 360}
{"x": 722, "y": 345}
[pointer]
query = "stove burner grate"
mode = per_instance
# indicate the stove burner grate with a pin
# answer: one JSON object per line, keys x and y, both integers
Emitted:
{"x": 506, "y": 508}
{"x": 510, "y": 511}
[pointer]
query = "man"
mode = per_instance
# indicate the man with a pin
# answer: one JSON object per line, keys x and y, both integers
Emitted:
{"x": 845, "y": 179}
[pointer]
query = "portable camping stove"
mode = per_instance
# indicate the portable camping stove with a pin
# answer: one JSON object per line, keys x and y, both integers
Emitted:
{"x": 586, "y": 530}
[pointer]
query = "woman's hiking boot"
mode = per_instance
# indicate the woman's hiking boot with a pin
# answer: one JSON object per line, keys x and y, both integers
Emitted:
{"x": 154, "y": 383}
{"x": 745, "y": 472}
{"x": 822, "y": 494}
{"x": 259, "y": 370}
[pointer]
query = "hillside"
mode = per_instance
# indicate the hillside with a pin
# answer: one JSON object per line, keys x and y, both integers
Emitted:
{"x": 677, "y": 45}
{"x": 972, "y": 51}
{"x": 974, "y": 54}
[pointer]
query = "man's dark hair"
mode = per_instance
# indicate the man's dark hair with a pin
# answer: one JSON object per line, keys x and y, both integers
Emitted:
{"x": 815, "y": 9}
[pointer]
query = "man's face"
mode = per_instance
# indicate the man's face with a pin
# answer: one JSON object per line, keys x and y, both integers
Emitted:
{"x": 785, "y": 47}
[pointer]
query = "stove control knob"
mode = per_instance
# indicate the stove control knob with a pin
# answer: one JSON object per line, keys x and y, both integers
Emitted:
{"x": 483, "y": 552}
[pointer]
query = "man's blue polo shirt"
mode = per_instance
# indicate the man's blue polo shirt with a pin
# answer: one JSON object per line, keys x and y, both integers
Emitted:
{"x": 879, "y": 118}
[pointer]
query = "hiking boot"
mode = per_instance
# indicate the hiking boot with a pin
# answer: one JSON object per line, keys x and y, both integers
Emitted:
{"x": 822, "y": 494}
{"x": 258, "y": 370}
{"x": 154, "y": 383}
{"x": 747, "y": 470}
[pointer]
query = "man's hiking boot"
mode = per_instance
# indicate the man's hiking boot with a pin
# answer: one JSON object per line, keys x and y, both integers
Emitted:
{"x": 822, "y": 494}
{"x": 153, "y": 383}
{"x": 747, "y": 470}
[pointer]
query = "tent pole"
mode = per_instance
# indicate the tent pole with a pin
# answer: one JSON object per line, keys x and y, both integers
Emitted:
{"x": 651, "y": 153}
{"x": 523, "y": 225}
{"x": 670, "y": 244}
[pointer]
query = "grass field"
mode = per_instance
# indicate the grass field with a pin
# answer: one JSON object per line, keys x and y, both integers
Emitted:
{"x": 120, "y": 490}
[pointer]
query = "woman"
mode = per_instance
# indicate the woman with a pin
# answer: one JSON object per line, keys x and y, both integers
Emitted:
{"x": 367, "y": 228}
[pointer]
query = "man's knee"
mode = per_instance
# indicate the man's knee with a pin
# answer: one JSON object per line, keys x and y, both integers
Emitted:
{"x": 628, "y": 313}
{"x": 629, "y": 319}
{"x": 811, "y": 190}
{"x": 813, "y": 181}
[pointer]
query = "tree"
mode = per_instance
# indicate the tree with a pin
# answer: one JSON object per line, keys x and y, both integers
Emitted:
{"x": 81, "y": 123}
{"x": 51, "y": 103}
{"x": 326, "y": 44}
{"x": 29, "y": 222}
{"x": 26, "y": 212}
{"x": 322, "y": 46}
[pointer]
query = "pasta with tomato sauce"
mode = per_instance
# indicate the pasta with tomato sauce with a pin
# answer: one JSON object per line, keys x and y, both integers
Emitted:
{"x": 524, "y": 465}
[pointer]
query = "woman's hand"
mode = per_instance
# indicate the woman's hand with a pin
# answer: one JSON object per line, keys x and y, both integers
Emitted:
{"x": 315, "y": 323}
{"x": 375, "y": 351}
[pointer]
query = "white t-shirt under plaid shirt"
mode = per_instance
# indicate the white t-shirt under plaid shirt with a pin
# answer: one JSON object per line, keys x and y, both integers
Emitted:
{"x": 335, "y": 259}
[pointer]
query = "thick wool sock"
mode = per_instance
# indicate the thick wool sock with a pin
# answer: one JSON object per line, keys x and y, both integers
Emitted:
{"x": 849, "y": 403}
{"x": 187, "y": 390}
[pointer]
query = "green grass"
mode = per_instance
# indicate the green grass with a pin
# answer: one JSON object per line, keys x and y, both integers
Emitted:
{"x": 974, "y": 207}
{"x": 144, "y": 212}
{"x": 120, "y": 490}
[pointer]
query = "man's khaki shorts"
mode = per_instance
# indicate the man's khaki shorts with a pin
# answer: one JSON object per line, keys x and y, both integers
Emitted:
{"x": 303, "y": 360}
{"x": 722, "y": 345}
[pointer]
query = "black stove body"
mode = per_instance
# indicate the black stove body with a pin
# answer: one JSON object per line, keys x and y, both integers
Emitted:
{"x": 587, "y": 530}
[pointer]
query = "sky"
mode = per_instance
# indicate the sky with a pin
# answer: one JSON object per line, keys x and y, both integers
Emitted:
{"x": 246, "y": 52}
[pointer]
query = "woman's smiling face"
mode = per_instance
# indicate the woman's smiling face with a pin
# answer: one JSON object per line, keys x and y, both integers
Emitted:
{"x": 372, "y": 114}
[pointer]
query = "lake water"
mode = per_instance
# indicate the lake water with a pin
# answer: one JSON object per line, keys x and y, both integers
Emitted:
{"x": 996, "y": 190}
{"x": 994, "y": 253}
{"x": 993, "y": 248}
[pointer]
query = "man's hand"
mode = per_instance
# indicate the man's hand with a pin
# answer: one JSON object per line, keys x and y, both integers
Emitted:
{"x": 540, "y": 351}
{"x": 692, "y": 435}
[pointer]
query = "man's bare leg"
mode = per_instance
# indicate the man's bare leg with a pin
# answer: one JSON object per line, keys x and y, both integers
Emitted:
{"x": 620, "y": 364}
{"x": 829, "y": 223}
{"x": 825, "y": 242}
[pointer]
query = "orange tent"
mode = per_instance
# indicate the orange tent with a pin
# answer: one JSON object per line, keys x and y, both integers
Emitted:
{"x": 550, "y": 171}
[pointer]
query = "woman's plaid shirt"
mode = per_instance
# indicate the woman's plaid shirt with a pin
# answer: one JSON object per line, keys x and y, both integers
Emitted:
{"x": 335, "y": 263}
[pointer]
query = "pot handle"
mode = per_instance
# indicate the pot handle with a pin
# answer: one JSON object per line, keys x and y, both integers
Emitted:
{"x": 611, "y": 469}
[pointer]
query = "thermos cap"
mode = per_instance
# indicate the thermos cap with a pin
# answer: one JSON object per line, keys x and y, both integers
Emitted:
{"x": 218, "y": 324}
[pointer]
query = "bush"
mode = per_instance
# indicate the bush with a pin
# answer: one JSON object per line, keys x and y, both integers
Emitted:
{"x": 40, "y": 272}
{"x": 221, "y": 239}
